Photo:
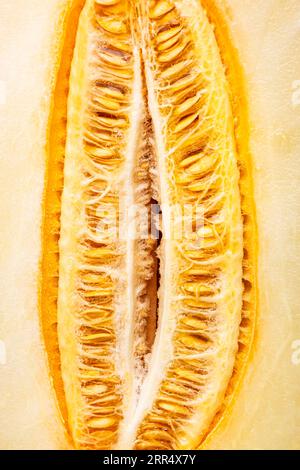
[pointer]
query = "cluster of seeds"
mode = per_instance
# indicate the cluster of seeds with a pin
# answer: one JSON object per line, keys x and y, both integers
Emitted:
{"x": 149, "y": 119}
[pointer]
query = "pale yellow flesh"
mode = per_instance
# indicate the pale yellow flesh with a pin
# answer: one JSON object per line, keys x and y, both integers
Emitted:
{"x": 29, "y": 48}
{"x": 261, "y": 418}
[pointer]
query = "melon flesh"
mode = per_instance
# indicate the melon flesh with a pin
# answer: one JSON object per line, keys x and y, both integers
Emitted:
{"x": 263, "y": 413}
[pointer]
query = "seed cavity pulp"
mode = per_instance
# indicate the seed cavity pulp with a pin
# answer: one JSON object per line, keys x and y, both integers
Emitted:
{"x": 150, "y": 247}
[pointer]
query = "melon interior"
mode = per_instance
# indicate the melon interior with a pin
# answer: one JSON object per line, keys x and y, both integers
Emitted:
{"x": 149, "y": 118}
{"x": 150, "y": 342}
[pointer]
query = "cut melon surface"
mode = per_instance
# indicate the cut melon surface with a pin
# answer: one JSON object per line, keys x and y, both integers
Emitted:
{"x": 181, "y": 340}
{"x": 194, "y": 159}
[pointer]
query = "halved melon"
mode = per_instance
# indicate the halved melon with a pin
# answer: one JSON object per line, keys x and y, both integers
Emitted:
{"x": 120, "y": 333}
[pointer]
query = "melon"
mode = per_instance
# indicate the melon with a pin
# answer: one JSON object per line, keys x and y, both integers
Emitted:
{"x": 149, "y": 248}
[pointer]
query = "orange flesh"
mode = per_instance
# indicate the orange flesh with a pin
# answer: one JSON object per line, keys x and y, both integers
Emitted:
{"x": 52, "y": 204}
